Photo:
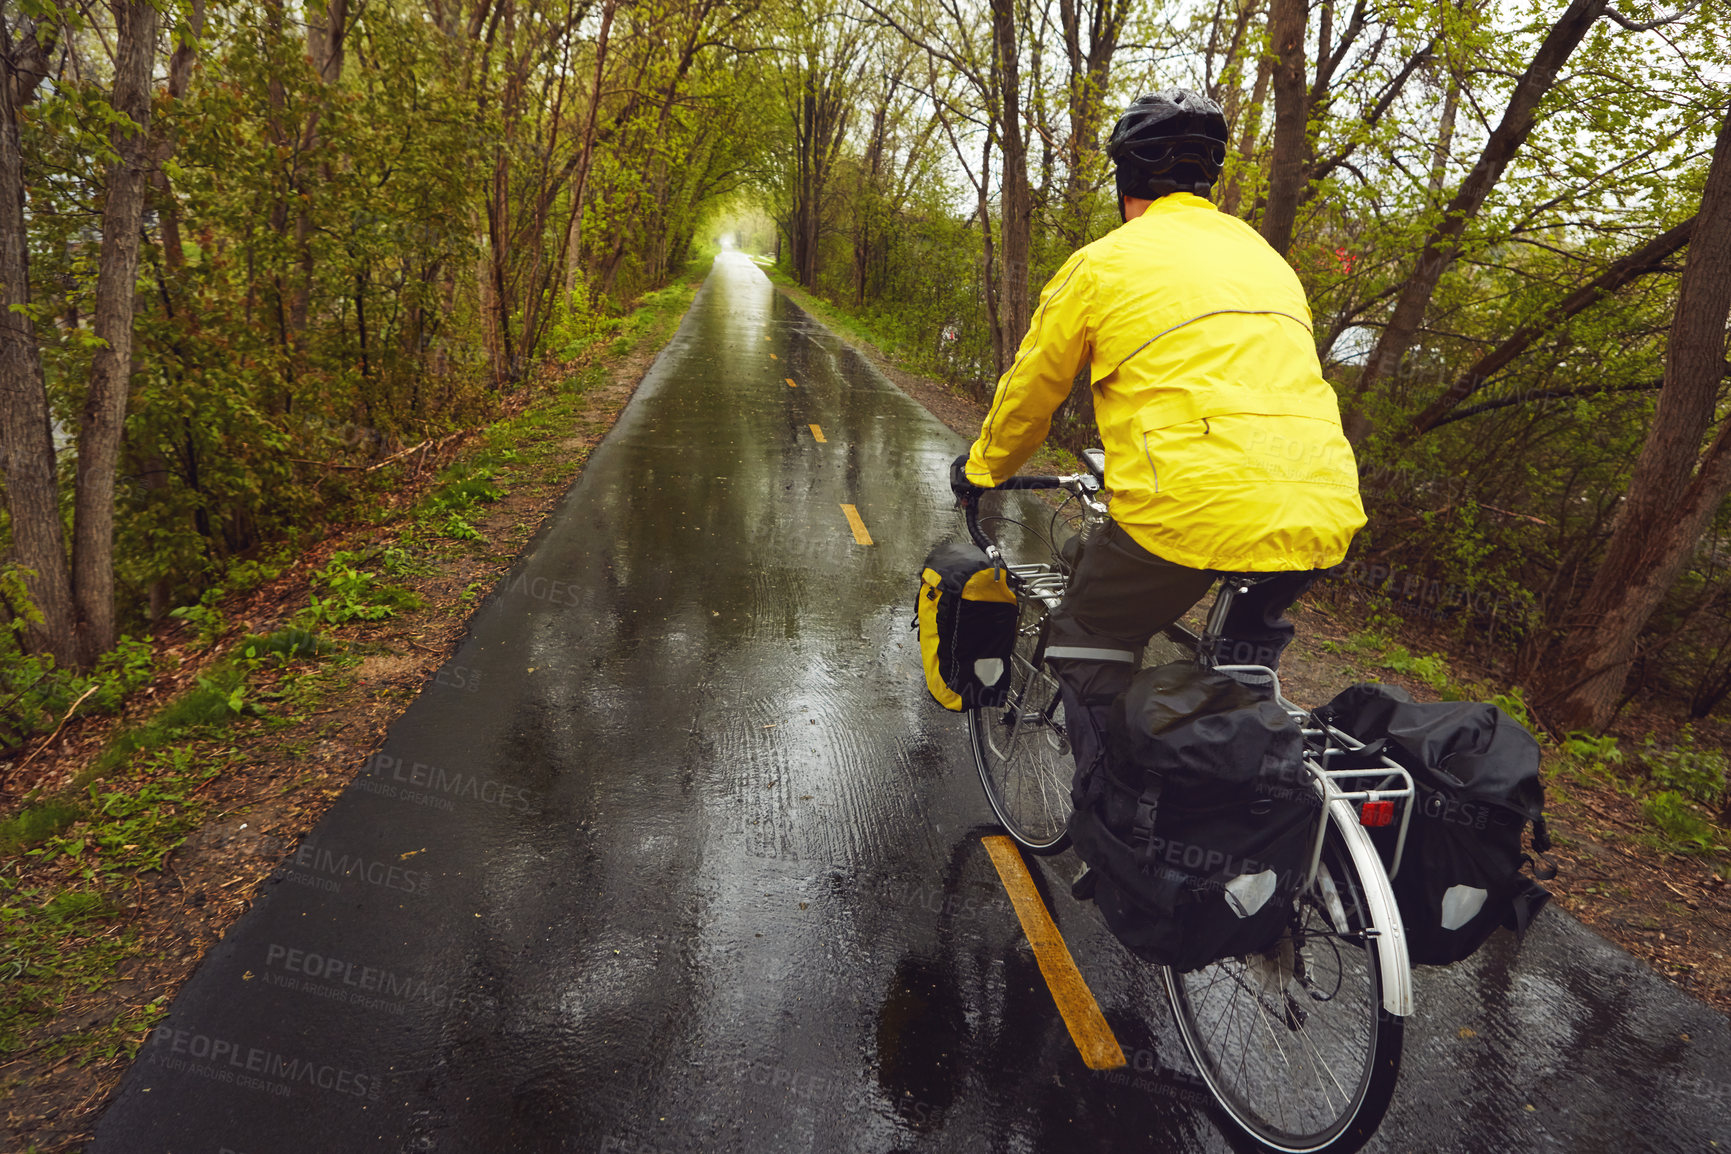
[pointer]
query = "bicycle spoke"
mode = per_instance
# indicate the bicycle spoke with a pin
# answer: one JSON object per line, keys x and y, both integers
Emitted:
{"x": 1288, "y": 1040}
{"x": 1021, "y": 747}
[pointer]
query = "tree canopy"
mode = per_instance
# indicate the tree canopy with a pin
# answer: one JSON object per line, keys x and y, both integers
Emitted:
{"x": 249, "y": 249}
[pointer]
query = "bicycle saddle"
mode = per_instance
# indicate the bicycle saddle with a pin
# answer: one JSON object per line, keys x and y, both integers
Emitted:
{"x": 1245, "y": 580}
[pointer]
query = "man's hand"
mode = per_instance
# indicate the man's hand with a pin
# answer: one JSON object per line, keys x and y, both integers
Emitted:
{"x": 959, "y": 483}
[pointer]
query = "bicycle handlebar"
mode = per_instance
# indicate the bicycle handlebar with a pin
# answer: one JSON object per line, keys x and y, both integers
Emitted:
{"x": 1031, "y": 483}
{"x": 971, "y": 503}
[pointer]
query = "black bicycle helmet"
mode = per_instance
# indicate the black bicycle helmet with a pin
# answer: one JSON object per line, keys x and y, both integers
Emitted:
{"x": 1166, "y": 142}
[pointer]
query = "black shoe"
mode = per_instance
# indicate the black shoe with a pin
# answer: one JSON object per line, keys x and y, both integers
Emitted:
{"x": 1082, "y": 889}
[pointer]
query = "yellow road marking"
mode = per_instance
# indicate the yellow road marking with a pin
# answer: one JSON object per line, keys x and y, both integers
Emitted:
{"x": 790, "y": 383}
{"x": 817, "y": 433}
{"x": 859, "y": 530}
{"x": 1088, "y": 1027}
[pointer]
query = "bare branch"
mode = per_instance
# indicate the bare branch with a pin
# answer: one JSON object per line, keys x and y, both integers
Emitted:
{"x": 1652, "y": 24}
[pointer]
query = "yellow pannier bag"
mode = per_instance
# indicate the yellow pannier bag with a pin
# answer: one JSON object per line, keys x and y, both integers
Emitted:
{"x": 967, "y": 622}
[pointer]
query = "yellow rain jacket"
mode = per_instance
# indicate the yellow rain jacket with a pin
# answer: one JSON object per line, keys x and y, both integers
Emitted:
{"x": 1223, "y": 441}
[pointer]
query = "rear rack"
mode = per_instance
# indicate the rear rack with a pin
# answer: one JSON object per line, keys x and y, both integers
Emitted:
{"x": 1386, "y": 781}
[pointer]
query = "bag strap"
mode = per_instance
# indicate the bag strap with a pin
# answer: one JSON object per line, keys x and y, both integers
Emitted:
{"x": 1369, "y": 757}
{"x": 1524, "y": 907}
{"x": 1142, "y": 841}
{"x": 1541, "y": 846}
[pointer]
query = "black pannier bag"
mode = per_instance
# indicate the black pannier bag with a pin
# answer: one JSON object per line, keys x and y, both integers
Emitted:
{"x": 1199, "y": 822}
{"x": 1476, "y": 775}
{"x": 967, "y": 622}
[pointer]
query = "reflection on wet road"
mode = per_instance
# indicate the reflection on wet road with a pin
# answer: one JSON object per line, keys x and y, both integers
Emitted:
{"x": 702, "y": 870}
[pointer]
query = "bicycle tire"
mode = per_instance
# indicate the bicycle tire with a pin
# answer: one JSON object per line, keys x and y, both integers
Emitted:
{"x": 1020, "y": 747}
{"x": 1250, "y": 1072}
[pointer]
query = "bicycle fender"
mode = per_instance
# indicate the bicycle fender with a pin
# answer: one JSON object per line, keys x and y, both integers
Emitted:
{"x": 1384, "y": 913}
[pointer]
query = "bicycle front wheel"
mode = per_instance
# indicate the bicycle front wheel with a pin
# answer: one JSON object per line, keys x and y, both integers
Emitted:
{"x": 1295, "y": 1043}
{"x": 1021, "y": 747}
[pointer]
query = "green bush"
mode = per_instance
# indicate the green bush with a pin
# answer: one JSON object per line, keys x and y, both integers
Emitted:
{"x": 35, "y": 694}
{"x": 204, "y": 619}
{"x": 1683, "y": 826}
{"x": 289, "y": 644}
{"x": 250, "y": 574}
{"x": 33, "y": 823}
{"x": 462, "y": 487}
{"x": 75, "y": 907}
{"x": 1431, "y": 668}
{"x": 355, "y": 595}
{"x": 1592, "y": 749}
{"x": 1514, "y": 703}
{"x": 1687, "y": 768}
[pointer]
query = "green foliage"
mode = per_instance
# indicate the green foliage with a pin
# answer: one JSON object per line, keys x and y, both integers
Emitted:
{"x": 355, "y": 595}
{"x": 288, "y": 644}
{"x": 462, "y": 488}
{"x": 218, "y": 697}
{"x": 135, "y": 829}
{"x": 205, "y": 620}
{"x": 55, "y": 941}
{"x": 36, "y": 822}
{"x": 1684, "y": 828}
{"x": 1687, "y": 768}
{"x": 1432, "y": 668}
{"x": 1592, "y": 749}
{"x": 577, "y": 327}
{"x": 1513, "y": 702}
{"x": 128, "y": 666}
{"x": 250, "y": 574}
{"x": 457, "y": 528}
{"x": 35, "y": 694}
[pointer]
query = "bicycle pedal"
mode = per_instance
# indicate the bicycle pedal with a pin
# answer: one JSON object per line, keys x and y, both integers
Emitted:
{"x": 1082, "y": 889}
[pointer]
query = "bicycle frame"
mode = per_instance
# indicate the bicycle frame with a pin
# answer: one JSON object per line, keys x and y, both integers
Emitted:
{"x": 1341, "y": 791}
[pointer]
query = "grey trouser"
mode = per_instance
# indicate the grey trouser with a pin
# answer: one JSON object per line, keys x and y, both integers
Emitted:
{"x": 1119, "y": 596}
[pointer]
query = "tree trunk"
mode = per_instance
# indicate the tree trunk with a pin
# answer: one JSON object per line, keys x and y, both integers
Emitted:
{"x": 325, "y": 37}
{"x": 1016, "y": 209}
{"x": 104, "y": 416}
{"x": 26, "y": 435}
{"x": 179, "y": 80}
{"x": 1670, "y": 502}
{"x": 586, "y": 152}
{"x": 1439, "y": 250}
{"x": 1251, "y": 128}
{"x": 989, "y": 263}
{"x": 1090, "y": 71}
{"x": 1286, "y": 27}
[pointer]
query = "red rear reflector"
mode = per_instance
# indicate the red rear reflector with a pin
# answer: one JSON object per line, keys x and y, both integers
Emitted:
{"x": 1374, "y": 813}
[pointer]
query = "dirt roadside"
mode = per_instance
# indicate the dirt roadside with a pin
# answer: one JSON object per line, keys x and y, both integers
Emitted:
{"x": 1671, "y": 910}
{"x": 260, "y": 782}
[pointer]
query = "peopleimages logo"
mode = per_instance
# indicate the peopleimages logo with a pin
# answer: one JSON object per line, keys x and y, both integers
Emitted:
{"x": 451, "y": 783}
{"x": 222, "y": 1060}
{"x": 373, "y": 987}
{"x": 333, "y": 865}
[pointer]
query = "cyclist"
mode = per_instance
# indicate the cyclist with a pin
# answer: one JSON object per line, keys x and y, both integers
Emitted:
{"x": 1223, "y": 442}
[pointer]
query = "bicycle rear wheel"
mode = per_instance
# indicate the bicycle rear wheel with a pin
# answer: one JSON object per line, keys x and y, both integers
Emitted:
{"x": 1021, "y": 747}
{"x": 1295, "y": 1043}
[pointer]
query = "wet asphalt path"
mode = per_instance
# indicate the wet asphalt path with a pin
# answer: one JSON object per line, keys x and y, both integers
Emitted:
{"x": 698, "y": 868}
